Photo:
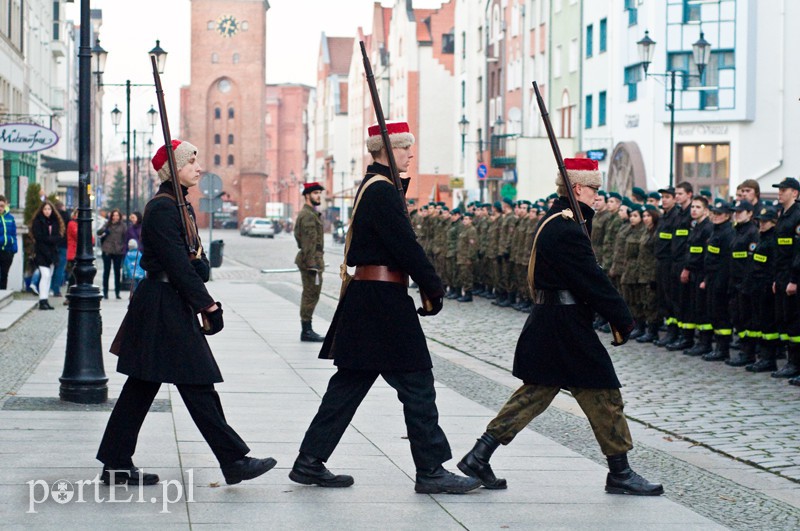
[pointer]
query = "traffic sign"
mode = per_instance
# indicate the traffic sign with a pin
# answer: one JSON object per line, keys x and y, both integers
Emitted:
{"x": 482, "y": 171}
{"x": 211, "y": 188}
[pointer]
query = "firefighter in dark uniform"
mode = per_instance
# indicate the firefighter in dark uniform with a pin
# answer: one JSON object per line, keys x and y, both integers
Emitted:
{"x": 309, "y": 234}
{"x": 376, "y": 332}
{"x": 759, "y": 286}
{"x": 559, "y": 349}
{"x": 680, "y": 255}
{"x": 717, "y": 272}
{"x": 787, "y": 275}
{"x": 161, "y": 341}
{"x": 694, "y": 274}
{"x": 666, "y": 227}
{"x": 743, "y": 245}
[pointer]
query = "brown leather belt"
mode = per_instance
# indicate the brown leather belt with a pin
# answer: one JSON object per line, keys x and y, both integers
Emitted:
{"x": 381, "y": 274}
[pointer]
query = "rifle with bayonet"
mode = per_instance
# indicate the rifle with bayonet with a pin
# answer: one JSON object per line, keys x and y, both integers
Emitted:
{"x": 387, "y": 145}
{"x": 187, "y": 226}
{"x": 573, "y": 201}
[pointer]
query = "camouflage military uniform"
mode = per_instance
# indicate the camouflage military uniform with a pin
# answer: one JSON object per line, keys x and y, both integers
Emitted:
{"x": 467, "y": 257}
{"x": 646, "y": 283}
{"x": 439, "y": 246}
{"x": 451, "y": 271}
{"x": 618, "y": 255}
{"x": 493, "y": 252}
{"x": 521, "y": 257}
{"x": 611, "y": 227}
{"x": 308, "y": 232}
{"x": 505, "y": 279}
{"x": 630, "y": 271}
{"x": 599, "y": 223}
{"x": 482, "y": 269}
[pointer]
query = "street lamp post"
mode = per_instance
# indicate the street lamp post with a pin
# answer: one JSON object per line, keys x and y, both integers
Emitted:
{"x": 116, "y": 114}
{"x": 701, "y": 53}
{"x": 83, "y": 379}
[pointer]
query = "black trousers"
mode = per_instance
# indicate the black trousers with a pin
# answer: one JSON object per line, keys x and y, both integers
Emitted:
{"x": 681, "y": 299}
{"x": 108, "y": 260}
{"x": 347, "y": 388}
{"x": 698, "y": 303}
{"x": 6, "y": 257}
{"x": 719, "y": 307}
{"x": 664, "y": 288}
{"x": 787, "y": 314}
{"x": 764, "y": 314}
{"x": 122, "y": 431}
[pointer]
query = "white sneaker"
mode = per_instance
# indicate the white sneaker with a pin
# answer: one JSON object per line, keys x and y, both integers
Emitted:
{"x": 35, "y": 288}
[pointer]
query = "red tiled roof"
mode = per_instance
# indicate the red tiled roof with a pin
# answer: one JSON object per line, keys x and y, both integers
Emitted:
{"x": 423, "y": 32}
{"x": 340, "y": 50}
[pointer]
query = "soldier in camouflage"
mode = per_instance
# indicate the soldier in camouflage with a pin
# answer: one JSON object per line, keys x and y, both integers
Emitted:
{"x": 308, "y": 232}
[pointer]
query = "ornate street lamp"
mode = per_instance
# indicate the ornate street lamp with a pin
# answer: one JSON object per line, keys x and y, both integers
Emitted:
{"x": 701, "y": 53}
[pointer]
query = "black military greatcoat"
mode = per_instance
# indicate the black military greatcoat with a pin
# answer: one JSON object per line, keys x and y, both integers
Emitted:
{"x": 376, "y": 326}
{"x": 558, "y": 346}
{"x": 160, "y": 339}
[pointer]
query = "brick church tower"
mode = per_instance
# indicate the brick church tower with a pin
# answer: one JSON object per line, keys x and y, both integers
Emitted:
{"x": 223, "y": 109}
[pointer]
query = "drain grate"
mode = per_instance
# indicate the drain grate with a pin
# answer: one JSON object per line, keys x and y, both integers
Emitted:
{"x": 35, "y": 403}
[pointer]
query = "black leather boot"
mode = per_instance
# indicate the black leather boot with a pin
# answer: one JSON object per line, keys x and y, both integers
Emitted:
{"x": 794, "y": 381}
{"x": 127, "y": 475}
{"x": 684, "y": 341}
{"x": 440, "y": 481}
{"x": 703, "y": 345}
{"x": 246, "y": 468}
{"x": 476, "y": 463}
{"x": 792, "y": 367}
{"x": 638, "y": 330}
{"x": 721, "y": 350}
{"x": 650, "y": 335}
{"x": 499, "y": 298}
{"x": 489, "y": 294}
{"x": 452, "y": 294}
{"x": 466, "y": 297}
{"x": 671, "y": 335}
{"x": 766, "y": 358}
{"x": 622, "y": 480}
{"x": 308, "y": 470}
{"x": 44, "y": 305}
{"x": 308, "y": 333}
{"x": 747, "y": 353}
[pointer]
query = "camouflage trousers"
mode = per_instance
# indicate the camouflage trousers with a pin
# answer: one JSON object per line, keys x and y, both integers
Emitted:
{"x": 487, "y": 272}
{"x": 504, "y": 275}
{"x": 603, "y": 408}
{"x": 451, "y": 272}
{"x": 440, "y": 264}
{"x": 466, "y": 276}
{"x": 641, "y": 299}
{"x": 312, "y": 286}
{"x": 494, "y": 273}
{"x": 521, "y": 272}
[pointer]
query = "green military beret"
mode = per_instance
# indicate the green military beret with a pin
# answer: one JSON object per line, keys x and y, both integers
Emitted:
{"x": 639, "y": 193}
{"x": 627, "y": 201}
{"x": 508, "y": 201}
{"x": 654, "y": 195}
{"x": 706, "y": 192}
{"x": 636, "y": 208}
{"x": 445, "y": 209}
{"x": 614, "y": 195}
{"x": 486, "y": 205}
{"x": 456, "y": 211}
{"x": 552, "y": 196}
{"x": 498, "y": 205}
{"x": 603, "y": 193}
{"x": 412, "y": 201}
{"x": 468, "y": 214}
{"x": 440, "y": 203}
{"x": 650, "y": 207}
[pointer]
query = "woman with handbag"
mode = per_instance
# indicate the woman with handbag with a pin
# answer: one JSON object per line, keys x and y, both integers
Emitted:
{"x": 114, "y": 246}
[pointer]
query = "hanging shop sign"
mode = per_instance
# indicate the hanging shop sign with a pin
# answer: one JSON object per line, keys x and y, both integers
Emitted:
{"x": 26, "y": 138}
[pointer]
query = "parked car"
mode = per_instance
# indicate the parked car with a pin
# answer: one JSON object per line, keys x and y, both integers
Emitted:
{"x": 262, "y": 227}
{"x": 246, "y": 225}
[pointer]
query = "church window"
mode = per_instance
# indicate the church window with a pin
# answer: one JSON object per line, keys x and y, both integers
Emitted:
{"x": 230, "y": 113}
{"x": 230, "y": 139}
{"x": 217, "y": 139}
{"x": 230, "y": 160}
{"x": 217, "y": 113}
{"x": 217, "y": 160}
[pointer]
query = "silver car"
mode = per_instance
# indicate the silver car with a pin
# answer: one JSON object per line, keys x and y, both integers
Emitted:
{"x": 246, "y": 224}
{"x": 262, "y": 227}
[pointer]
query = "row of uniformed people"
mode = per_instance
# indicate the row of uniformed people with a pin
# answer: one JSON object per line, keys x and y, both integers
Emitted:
{"x": 716, "y": 271}
{"x": 483, "y": 251}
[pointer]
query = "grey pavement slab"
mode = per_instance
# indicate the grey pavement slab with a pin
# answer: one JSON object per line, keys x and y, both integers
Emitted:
{"x": 272, "y": 389}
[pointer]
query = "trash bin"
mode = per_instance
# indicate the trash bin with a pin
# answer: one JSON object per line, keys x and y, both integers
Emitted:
{"x": 215, "y": 258}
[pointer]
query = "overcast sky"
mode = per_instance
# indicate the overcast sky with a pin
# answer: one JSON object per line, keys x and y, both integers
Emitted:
{"x": 130, "y": 30}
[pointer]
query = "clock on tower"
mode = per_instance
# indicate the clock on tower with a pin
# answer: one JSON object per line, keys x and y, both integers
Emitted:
{"x": 227, "y": 25}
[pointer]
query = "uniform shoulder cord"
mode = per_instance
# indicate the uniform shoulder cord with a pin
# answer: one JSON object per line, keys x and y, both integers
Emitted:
{"x": 343, "y": 274}
{"x": 565, "y": 214}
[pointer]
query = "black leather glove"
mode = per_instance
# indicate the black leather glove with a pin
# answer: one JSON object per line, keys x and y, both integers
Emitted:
{"x": 212, "y": 321}
{"x": 436, "y": 303}
{"x": 624, "y": 332}
{"x": 202, "y": 269}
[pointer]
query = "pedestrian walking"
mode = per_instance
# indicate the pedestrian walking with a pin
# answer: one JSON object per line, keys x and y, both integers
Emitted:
{"x": 8, "y": 241}
{"x": 558, "y": 348}
{"x": 48, "y": 230}
{"x": 114, "y": 247}
{"x": 161, "y": 341}
{"x": 59, "y": 267}
{"x": 134, "y": 230}
{"x": 376, "y": 331}
{"x": 309, "y": 235}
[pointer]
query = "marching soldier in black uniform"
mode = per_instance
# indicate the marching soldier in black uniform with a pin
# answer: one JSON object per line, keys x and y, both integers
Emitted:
{"x": 787, "y": 275}
{"x": 558, "y": 347}
{"x": 161, "y": 341}
{"x": 309, "y": 235}
{"x": 376, "y": 332}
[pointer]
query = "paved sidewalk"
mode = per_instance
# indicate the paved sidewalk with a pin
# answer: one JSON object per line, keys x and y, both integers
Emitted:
{"x": 272, "y": 389}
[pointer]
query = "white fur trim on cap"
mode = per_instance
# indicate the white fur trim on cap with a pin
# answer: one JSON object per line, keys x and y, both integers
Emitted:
{"x": 582, "y": 177}
{"x": 399, "y": 140}
{"x": 183, "y": 153}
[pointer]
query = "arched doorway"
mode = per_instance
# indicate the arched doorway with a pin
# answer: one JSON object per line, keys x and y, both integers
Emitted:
{"x": 626, "y": 168}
